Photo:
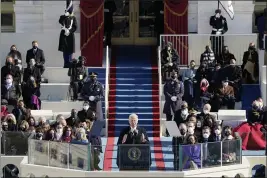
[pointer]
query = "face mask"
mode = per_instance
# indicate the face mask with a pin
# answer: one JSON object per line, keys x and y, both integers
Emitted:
{"x": 217, "y": 132}
{"x": 225, "y": 51}
{"x": 205, "y": 111}
{"x": 39, "y": 136}
{"x": 252, "y": 48}
{"x": 184, "y": 112}
{"x": 23, "y": 129}
{"x": 68, "y": 133}
{"x": 225, "y": 84}
{"x": 169, "y": 48}
{"x": 217, "y": 15}
{"x": 93, "y": 79}
{"x": 74, "y": 114}
{"x": 86, "y": 107}
{"x": 227, "y": 133}
{"x": 182, "y": 131}
{"x": 9, "y": 63}
{"x": 13, "y": 50}
{"x": 8, "y": 81}
{"x": 59, "y": 130}
{"x": 34, "y": 47}
{"x": 205, "y": 135}
{"x": 190, "y": 130}
{"x": 32, "y": 79}
{"x": 32, "y": 63}
{"x": 190, "y": 142}
{"x": 5, "y": 128}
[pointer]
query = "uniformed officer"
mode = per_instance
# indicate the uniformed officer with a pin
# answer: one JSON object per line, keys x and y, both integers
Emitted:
{"x": 170, "y": 61}
{"x": 219, "y": 27}
{"x": 93, "y": 92}
{"x": 173, "y": 91}
{"x": 78, "y": 74}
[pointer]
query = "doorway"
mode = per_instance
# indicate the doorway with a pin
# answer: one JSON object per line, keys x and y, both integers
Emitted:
{"x": 134, "y": 23}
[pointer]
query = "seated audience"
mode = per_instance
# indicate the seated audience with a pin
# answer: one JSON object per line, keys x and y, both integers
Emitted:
{"x": 85, "y": 113}
{"x": 73, "y": 120}
{"x": 224, "y": 97}
{"x": 23, "y": 126}
{"x": 208, "y": 57}
{"x": 10, "y": 69}
{"x": 50, "y": 135}
{"x": 10, "y": 91}
{"x": 11, "y": 121}
{"x": 80, "y": 137}
{"x": 170, "y": 61}
{"x": 181, "y": 115}
{"x": 67, "y": 134}
{"x": 205, "y": 118}
{"x": 19, "y": 111}
{"x": 250, "y": 65}
{"x": 59, "y": 132}
{"x": 4, "y": 108}
{"x": 225, "y": 57}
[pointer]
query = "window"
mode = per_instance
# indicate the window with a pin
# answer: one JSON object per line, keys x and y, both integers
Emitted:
{"x": 7, "y": 16}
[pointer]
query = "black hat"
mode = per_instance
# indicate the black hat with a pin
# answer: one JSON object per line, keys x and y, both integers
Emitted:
{"x": 93, "y": 74}
{"x": 226, "y": 79}
{"x": 218, "y": 11}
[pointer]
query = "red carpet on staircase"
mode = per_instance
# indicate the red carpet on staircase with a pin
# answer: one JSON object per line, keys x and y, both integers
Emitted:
{"x": 111, "y": 121}
{"x": 156, "y": 110}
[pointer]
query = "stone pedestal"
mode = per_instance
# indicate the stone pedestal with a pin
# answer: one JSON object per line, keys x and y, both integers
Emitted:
{"x": 242, "y": 23}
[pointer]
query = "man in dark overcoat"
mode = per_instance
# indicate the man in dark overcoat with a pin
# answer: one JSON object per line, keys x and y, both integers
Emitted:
{"x": 67, "y": 39}
{"x": 173, "y": 91}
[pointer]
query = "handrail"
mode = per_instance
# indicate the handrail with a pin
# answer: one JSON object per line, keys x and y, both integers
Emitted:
{"x": 160, "y": 88}
{"x": 107, "y": 88}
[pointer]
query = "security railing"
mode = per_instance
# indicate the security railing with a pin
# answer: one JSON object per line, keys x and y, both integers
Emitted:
{"x": 191, "y": 46}
{"x": 107, "y": 88}
{"x": 15, "y": 143}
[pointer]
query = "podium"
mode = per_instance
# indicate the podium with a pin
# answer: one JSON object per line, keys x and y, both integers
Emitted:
{"x": 134, "y": 157}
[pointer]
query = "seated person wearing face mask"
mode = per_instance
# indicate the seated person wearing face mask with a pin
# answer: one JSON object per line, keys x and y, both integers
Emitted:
{"x": 10, "y": 91}
{"x": 85, "y": 113}
{"x": 229, "y": 146}
{"x": 31, "y": 94}
{"x": 191, "y": 128}
{"x": 10, "y": 69}
{"x": 32, "y": 70}
{"x": 225, "y": 57}
{"x": 176, "y": 141}
{"x": 250, "y": 65}
{"x": 181, "y": 115}
{"x": 251, "y": 131}
{"x": 224, "y": 96}
{"x": 78, "y": 75}
{"x": 73, "y": 120}
{"x": 204, "y": 117}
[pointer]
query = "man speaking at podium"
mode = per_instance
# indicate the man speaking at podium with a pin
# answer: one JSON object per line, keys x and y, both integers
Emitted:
{"x": 133, "y": 147}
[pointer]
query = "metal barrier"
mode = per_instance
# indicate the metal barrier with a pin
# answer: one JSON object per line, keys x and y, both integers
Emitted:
{"x": 107, "y": 88}
{"x": 191, "y": 46}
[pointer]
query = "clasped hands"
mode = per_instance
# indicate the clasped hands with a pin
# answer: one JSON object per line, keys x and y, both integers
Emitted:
{"x": 143, "y": 139}
{"x": 174, "y": 98}
{"x": 67, "y": 32}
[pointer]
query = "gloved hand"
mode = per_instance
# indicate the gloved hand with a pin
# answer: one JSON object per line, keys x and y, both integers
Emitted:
{"x": 218, "y": 33}
{"x": 91, "y": 98}
{"x": 174, "y": 98}
{"x": 67, "y": 32}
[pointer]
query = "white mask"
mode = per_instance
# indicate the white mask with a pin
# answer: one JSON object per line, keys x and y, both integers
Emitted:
{"x": 217, "y": 132}
{"x": 8, "y": 81}
{"x": 205, "y": 111}
{"x": 184, "y": 112}
{"x": 169, "y": 48}
{"x": 225, "y": 84}
{"x": 217, "y": 15}
{"x": 59, "y": 130}
{"x": 86, "y": 107}
{"x": 205, "y": 135}
{"x": 190, "y": 130}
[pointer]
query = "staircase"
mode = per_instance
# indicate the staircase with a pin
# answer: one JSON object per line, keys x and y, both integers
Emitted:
{"x": 134, "y": 89}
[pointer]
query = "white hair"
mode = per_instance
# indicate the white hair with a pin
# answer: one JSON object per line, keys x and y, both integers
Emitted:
{"x": 42, "y": 118}
{"x": 133, "y": 116}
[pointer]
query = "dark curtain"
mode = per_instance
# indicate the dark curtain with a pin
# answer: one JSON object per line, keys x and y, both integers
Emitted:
{"x": 176, "y": 22}
{"x": 92, "y": 31}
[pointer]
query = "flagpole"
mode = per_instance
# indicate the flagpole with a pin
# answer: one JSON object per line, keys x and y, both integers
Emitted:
{"x": 218, "y": 4}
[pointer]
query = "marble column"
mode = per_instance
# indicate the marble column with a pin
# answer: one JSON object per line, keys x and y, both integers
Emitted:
{"x": 242, "y": 23}
{"x": 29, "y": 16}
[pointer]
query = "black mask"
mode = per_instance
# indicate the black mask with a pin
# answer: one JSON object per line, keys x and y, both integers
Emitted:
{"x": 9, "y": 63}
{"x": 93, "y": 79}
{"x": 39, "y": 135}
{"x": 225, "y": 51}
{"x": 252, "y": 48}
{"x": 182, "y": 131}
{"x": 74, "y": 114}
{"x": 5, "y": 128}
{"x": 227, "y": 133}
{"x": 173, "y": 76}
{"x": 190, "y": 142}
{"x": 34, "y": 47}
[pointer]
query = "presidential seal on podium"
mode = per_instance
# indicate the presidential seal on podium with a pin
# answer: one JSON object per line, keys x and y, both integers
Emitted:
{"x": 134, "y": 154}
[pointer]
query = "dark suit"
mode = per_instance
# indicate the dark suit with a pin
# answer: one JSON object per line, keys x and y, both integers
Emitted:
{"x": 83, "y": 115}
{"x": 132, "y": 138}
{"x": 223, "y": 97}
{"x": 39, "y": 57}
{"x": 176, "y": 142}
